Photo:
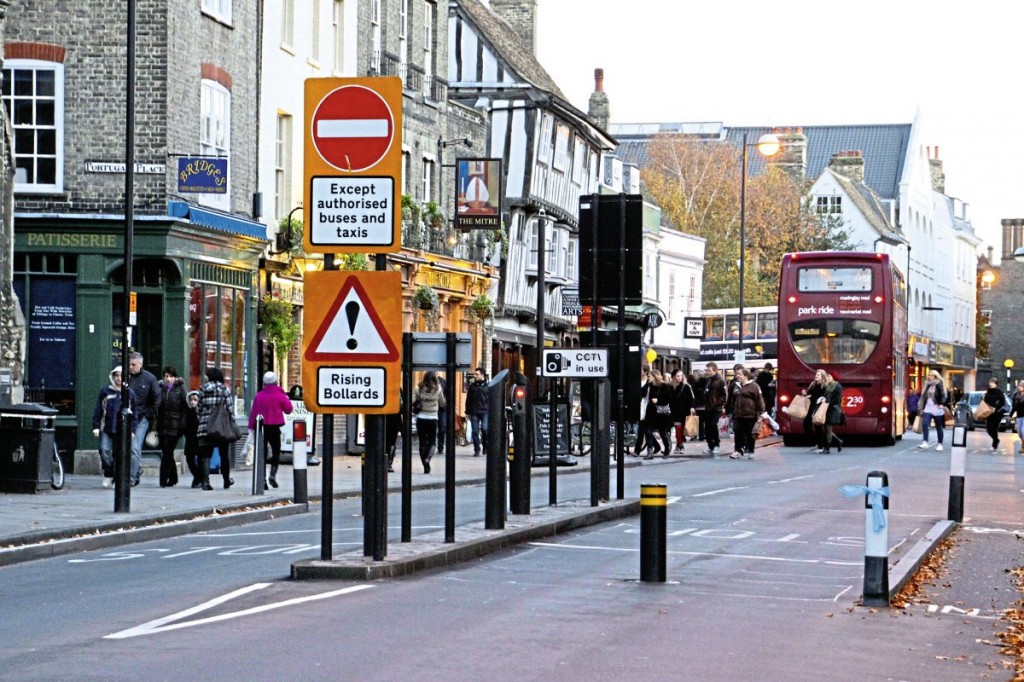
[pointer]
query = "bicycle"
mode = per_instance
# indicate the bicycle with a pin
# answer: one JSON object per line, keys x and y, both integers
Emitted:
{"x": 57, "y": 470}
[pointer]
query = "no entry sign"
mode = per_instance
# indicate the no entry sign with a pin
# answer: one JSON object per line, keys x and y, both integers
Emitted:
{"x": 353, "y": 128}
{"x": 353, "y": 165}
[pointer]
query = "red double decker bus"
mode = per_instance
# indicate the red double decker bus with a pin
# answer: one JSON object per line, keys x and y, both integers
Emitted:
{"x": 845, "y": 313}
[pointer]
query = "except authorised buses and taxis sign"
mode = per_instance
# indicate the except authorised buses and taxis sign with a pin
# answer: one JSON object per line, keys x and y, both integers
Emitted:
{"x": 353, "y": 165}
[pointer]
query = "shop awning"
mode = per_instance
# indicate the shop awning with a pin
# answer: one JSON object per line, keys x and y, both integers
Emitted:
{"x": 216, "y": 220}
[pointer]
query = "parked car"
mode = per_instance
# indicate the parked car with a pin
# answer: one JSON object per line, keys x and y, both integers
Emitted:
{"x": 966, "y": 407}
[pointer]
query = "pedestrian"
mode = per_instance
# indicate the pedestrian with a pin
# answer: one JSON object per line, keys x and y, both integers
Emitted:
{"x": 272, "y": 403}
{"x": 934, "y": 396}
{"x": 732, "y": 390}
{"x": 645, "y": 379}
{"x": 682, "y": 403}
{"x": 442, "y": 418}
{"x": 766, "y": 382}
{"x": 1017, "y": 409}
{"x": 657, "y": 415}
{"x": 104, "y": 421}
{"x": 192, "y": 439}
{"x": 476, "y": 410}
{"x": 699, "y": 383}
{"x": 748, "y": 406}
{"x": 392, "y": 427}
{"x": 913, "y": 404}
{"x": 815, "y": 394}
{"x": 714, "y": 406}
{"x": 148, "y": 395}
{"x": 211, "y": 394}
{"x": 834, "y": 417}
{"x": 171, "y": 423}
{"x": 430, "y": 399}
{"x": 996, "y": 399}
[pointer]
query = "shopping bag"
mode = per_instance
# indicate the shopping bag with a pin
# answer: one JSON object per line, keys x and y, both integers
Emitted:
{"x": 947, "y": 416}
{"x": 767, "y": 419}
{"x": 723, "y": 425}
{"x": 249, "y": 449}
{"x": 691, "y": 427}
{"x": 983, "y": 410}
{"x": 916, "y": 426}
{"x": 762, "y": 429}
{"x": 820, "y": 414}
{"x": 799, "y": 407}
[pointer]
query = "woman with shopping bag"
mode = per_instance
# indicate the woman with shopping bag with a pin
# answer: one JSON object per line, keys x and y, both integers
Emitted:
{"x": 682, "y": 408}
{"x": 934, "y": 397}
{"x": 815, "y": 394}
{"x": 832, "y": 402}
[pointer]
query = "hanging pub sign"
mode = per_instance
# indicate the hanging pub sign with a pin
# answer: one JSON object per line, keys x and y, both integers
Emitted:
{"x": 477, "y": 194}
{"x": 202, "y": 175}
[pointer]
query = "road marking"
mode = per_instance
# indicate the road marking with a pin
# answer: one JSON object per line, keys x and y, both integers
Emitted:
{"x": 957, "y": 611}
{"x": 795, "y": 478}
{"x": 981, "y": 530}
{"x": 673, "y": 500}
{"x": 723, "y": 490}
{"x": 725, "y": 555}
{"x": 168, "y": 622}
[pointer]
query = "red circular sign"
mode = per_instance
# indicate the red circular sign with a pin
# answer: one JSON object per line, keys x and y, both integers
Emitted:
{"x": 353, "y": 128}
{"x": 853, "y": 401}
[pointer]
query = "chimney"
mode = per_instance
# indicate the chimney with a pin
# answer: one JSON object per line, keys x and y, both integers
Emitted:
{"x": 792, "y": 156}
{"x": 1013, "y": 236}
{"x": 849, "y": 164}
{"x": 935, "y": 167}
{"x": 521, "y": 15}
{"x": 598, "y": 108}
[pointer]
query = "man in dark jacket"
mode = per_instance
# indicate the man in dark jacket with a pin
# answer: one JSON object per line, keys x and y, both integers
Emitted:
{"x": 766, "y": 382}
{"x": 714, "y": 404}
{"x": 104, "y": 422}
{"x": 148, "y": 395}
{"x": 476, "y": 410}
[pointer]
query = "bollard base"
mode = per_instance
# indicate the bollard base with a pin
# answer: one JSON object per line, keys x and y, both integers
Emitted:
{"x": 299, "y": 485}
{"x": 955, "y": 512}
{"x": 876, "y": 581}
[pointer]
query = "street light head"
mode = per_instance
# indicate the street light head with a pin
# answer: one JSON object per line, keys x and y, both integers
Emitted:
{"x": 988, "y": 277}
{"x": 768, "y": 144}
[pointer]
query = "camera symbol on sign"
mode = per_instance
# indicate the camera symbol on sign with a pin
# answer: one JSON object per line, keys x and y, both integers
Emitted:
{"x": 556, "y": 363}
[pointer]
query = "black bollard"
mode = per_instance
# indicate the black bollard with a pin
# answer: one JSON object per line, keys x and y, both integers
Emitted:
{"x": 653, "y": 503}
{"x": 497, "y": 467}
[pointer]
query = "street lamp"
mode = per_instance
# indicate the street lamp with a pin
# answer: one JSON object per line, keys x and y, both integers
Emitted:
{"x": 1008, "y": 364}
{"x": 768, "y": 145}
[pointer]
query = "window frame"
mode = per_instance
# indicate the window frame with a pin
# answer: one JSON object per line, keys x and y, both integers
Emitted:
{"x": 35, "y": 66}
{"x": 220, "y": 148}
{"x": 283, "y": 165}
{"x": 338, "y": 29}
{"x": 217, "y": 9}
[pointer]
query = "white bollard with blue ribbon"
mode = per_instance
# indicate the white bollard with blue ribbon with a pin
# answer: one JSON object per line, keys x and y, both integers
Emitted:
{"x": 876, "y": 536}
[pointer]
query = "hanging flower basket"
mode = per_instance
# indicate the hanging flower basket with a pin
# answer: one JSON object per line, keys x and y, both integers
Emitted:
{"x": 425, "y": 298}
{"x": 482, "y": 307}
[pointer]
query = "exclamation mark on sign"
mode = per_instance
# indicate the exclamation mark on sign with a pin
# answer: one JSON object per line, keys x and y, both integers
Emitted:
{"x": 352, "y": 313}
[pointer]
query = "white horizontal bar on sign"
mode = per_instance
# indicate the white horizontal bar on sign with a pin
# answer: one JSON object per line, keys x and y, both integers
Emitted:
{"x": 352, "y": 127}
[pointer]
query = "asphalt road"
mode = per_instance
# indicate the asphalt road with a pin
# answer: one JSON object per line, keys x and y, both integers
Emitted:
{"x": 765, "y": 563}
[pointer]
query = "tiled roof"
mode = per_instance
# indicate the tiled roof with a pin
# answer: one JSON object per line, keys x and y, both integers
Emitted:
{"x": 867, "y": 202}
{"x": 508, "y": 45}
{"x": 884, "y": 147}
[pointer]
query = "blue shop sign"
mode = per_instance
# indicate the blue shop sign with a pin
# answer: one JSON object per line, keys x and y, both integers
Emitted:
{"x": 202, "y": 175}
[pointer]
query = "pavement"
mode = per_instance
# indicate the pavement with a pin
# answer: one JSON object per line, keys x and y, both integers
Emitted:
{"x": 81, "y": 517}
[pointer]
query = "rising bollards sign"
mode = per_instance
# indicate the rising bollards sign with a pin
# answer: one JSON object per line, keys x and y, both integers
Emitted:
{"x": 202, "y": 175}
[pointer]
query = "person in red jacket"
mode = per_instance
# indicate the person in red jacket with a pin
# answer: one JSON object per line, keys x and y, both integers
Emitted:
{"x": 272, "y": 403}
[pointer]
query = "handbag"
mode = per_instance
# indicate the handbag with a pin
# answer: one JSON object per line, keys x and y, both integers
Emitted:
{"x": 222, "y": 425}
{"x": 947, "y": 416}
{"x": 916, "y": 426}
{"x": 417, "y": 406}
{"x": 799, "y": 407}
{"x": 152, "y": 439}
{"x": 820, "y": 414}
{"x": 983, "y": 411}
{"x": 691, "y": 427}
{"x": 663, "y": 410}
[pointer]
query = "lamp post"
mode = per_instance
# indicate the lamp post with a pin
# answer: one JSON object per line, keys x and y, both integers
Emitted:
{"x": 1008, "y": 364}
{"x": 767, "y": 145}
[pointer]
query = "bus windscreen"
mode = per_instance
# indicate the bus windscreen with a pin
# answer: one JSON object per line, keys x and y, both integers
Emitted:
{"x": 834, "y": 341}
{"x": 811, "y": 280}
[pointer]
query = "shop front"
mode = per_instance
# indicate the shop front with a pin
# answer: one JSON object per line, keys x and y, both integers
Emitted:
{"x": 194, "y": 279}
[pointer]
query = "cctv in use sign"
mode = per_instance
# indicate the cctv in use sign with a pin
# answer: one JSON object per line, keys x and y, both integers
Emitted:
{"x": 581, "y": 363}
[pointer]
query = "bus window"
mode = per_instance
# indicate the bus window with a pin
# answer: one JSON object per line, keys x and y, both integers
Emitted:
{"x": 714, "y": 328}
{"x": 833, "y": 279}
{"x": 767, "y": 325}
{"x": 839, "y": 342}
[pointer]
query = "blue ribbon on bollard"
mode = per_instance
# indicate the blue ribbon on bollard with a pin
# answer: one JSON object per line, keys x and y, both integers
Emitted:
{"x": 875, "y": 496}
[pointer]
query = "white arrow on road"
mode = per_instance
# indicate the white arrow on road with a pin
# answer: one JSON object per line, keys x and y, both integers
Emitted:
{"x": 169, "y": 622}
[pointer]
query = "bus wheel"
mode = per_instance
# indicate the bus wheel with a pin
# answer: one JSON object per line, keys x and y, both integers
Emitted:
{"x": 790, "y": 440}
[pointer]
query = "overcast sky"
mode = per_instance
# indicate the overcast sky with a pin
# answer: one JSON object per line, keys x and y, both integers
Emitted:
{"x": 808, "y": 62}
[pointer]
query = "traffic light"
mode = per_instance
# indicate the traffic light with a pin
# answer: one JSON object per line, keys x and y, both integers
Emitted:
{"x": 519, "y": 400}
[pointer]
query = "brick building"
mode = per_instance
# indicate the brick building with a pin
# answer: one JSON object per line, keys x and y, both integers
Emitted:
{"x": 196, "y": 250}
{"x": 1002, "y": 305}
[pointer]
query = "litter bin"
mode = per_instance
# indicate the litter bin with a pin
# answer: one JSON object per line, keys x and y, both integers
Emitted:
{"x": 26, "y": 447}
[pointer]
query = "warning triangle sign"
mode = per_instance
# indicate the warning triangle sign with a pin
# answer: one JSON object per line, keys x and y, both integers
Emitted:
{"x": 352, "y": 330}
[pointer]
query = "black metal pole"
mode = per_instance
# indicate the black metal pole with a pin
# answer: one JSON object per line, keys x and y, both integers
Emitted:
{"x": 494, "y": 493}
{"x": 122, "y": 482}
{"x": 620, "y": 481}
{"x": 553, "y": 442}
{"x": 598, "y": 459}
{"x": 407, "y": 437}
{"x": 375, "y": 524}
{"x": 327, "y": 472}
{"x": 450, "y": 342}
{"x": 743, "y": 236}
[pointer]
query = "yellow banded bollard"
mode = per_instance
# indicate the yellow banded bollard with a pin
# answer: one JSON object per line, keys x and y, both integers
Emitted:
{"x": 653, "y": 502}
